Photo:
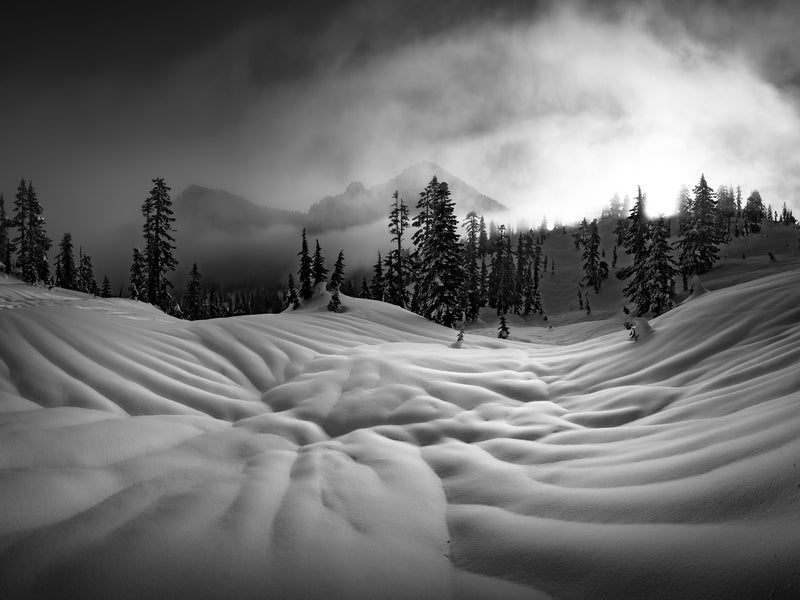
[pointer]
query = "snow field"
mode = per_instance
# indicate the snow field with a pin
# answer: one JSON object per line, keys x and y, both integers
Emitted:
{"x": 359, "y": 455}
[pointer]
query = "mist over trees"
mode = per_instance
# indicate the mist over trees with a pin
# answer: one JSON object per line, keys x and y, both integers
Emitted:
{"x": 446, "y": 271}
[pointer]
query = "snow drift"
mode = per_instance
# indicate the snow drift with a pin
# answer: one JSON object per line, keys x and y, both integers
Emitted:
{"x": 360, "y": 455}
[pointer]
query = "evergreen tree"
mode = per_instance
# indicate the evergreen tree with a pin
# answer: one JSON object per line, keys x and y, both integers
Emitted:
{"x": 596, "y": 270}
{"x": 397, "y": 261}
{"x": 338, "y": 272}
{"x": 422, "y": 221}
{"x": 501, "y": 277}
{"x": 483, "y": 239}
{"x": 137, "y": 281}
{"x": 502, "y": 331}
{"x": 66, "y": 272}
{"x": 726, "y": 210}
{"x": 581, "y": 234}
{"x": 32, "y": 241}
{"x": 6, "y": 245}
{"x": 318, "y": 266}
{"x": 531, "y": 301}
{"x": 635, "y": 242}
{"x": 335, "y": 302}
{"x": 377, "y": 288}
{"x": 472, "y": 277}
{"x": 20, "y": 221}
{"x": 86, "y": 281}
{"x": 441, "y": 259}
{"x": 661, "y": 269}
{"x": 105, "y": 290}
{"x": 754, "y": 212}
{"x": 364, "y": 292}
{"x": 698, "y": 244}
{"x": 738, "y": 201}
{"x": 522, "y": 269}
{"x": 193, "y": 299}
{"x": 615, "y": 208}
{"x": 292, "y": 298}
{"x": 305, "y": 271}
{"x": 39, "y": 242}
{"x": 684, "y": 209}
{"x": 158, "y": 252}
{"x": 484, "y": 283}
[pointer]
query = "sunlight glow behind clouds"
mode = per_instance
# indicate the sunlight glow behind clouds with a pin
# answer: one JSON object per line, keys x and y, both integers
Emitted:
{"x": 554, "y": 117}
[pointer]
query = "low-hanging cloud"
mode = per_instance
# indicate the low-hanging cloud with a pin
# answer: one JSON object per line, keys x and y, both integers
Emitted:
{"x": 550, "y": 111}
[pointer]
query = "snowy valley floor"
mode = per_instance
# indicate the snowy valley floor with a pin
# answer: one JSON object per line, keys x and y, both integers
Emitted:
{"x": 361, "y": 455}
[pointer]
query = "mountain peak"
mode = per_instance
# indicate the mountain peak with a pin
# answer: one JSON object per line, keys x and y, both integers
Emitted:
{"x": 355, "y": 187}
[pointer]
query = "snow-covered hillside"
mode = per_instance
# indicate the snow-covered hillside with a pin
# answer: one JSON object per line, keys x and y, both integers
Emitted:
{"x": 361, "y": 455}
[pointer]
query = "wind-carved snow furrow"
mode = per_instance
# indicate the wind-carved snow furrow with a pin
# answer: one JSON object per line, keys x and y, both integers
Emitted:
{"x": 361, "y": 455}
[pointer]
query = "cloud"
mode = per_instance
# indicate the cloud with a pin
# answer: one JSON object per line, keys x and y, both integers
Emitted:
{"x": 555, "y": 115}
{"x": 548, "y": 107}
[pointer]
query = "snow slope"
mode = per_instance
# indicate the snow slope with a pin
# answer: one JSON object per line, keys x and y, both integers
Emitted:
{"x": 360, "y": 455}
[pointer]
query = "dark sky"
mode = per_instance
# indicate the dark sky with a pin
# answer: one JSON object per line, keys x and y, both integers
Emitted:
{"x": 550, "y": 107}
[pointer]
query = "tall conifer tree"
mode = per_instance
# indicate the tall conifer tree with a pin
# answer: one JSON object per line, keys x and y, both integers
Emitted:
{"x": 137, "y": 280}
{"x": 442, "y": 262}
{"x": 66, "y": 272}
{"x": 398, "y": 267}
{"x": 318, "y": 265}
{"x": 699, "y": 243}
{"x": 305, "y": 271}
{"x": 159, "y": 245}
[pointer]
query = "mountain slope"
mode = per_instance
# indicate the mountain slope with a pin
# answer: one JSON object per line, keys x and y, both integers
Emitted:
{"x": 361, "y": 455}
{"x": 207, "y": 209}
{"x": 359, "y": 205}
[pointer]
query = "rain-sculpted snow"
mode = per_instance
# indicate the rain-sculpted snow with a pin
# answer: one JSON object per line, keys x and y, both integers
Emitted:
{"x": 361, "y": 455}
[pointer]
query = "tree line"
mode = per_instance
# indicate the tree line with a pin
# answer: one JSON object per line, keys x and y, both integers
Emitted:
{"x": 24, "y": 248}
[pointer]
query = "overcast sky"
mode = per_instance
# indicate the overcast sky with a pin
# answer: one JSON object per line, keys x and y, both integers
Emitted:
{"x": 549, "y": 107}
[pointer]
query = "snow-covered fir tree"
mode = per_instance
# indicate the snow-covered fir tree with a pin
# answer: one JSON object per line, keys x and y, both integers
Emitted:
{"x": 422, "y": 220}
{"x": 159, "y": 246}
{"x": 335, "y": 303}
{"x": 523, "y": 261}
{"x": 6, "y": 245}
{"x": 193, "y": 298}
{"x": 595, "y": 269}
{"x": 377, "y": 288}
{"x": 318, "y": 270}
{"x": 441, "y": 261}
{"x": 754, "y": 212}
{"x": 661, "y": 269}
{"x": 105, "y": 289}
{"x": 531, "y": 300}
{"x": 684, "y": 209}
{"x": 501, "y": 276}
{"x": 337, "y": 277}
{"x": 86, "y": 281}
{"x": 699, "y": 242}
{"x": 484, "y": 282}
{"x": 305, "y": 271}
{"x": 502, "y": 330}
{"x": 581, "y": 234}
{"x": 20, "y": 222}
{"x": 483, "y": 239}
{"x": 66, "y": 271}
{"x": 635, "y": 242}
{"x": 471, "y": 282}
{"x": 292, "y": 297}
{"x": 398, "y": 266}
{"x": 32, "y": 241}
{"x": 137, "y": 278}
